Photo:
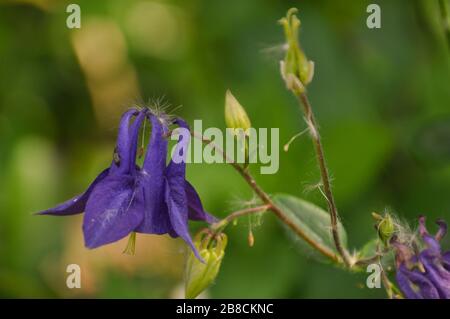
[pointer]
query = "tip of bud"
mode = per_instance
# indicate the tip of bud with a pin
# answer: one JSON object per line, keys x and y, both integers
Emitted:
{"x": 235, "y": 115}
{"x": 289, "y": 15}
{"x": 377, "y": 216}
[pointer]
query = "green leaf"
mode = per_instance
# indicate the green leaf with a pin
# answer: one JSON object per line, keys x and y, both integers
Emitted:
{"x": 313, "y": 221}
{"x": 370, "y": 249}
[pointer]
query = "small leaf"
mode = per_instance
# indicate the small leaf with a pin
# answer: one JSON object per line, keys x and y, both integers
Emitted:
{"x": 370, "y": 250}
{"x": 313, "y": 221}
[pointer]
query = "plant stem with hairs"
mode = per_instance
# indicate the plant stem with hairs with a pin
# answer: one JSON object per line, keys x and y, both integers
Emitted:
{"x": 297, "y": 72}
{"x": 243, "y": 212}
{"x": 325, "y": 176}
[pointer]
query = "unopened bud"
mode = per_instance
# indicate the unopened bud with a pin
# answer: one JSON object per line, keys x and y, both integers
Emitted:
{"x": 200, "y": 275}
{"x": 235, "y": 115}
{"x": 385, "y": 227}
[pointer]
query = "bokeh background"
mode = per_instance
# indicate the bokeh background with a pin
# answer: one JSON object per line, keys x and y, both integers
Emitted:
{"x": 381, "y": 97}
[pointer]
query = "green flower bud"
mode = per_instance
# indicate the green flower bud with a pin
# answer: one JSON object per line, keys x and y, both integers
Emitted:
{"x": 296, "y": 70}
{"x": 235, "y": 115}
{"x": 200, "y": 275}
{"x": 237, "y": 119}
{"x": 385, "y": 227}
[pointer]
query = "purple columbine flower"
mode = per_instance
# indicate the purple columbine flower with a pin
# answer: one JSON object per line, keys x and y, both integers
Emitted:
{"x": 170, "y": 200}
{"x": 424, "y": 275}
{"x": 124, "y": 198}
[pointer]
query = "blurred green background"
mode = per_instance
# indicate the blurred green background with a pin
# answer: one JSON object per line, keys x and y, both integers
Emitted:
{"x": 381, "y": 97}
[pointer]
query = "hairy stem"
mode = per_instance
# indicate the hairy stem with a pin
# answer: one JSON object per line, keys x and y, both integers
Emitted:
{"x": 387, "y": 284}
{"x": 265, "y": 198}
{"x": 246, "y": 211}
{"x": 315, "y": 136}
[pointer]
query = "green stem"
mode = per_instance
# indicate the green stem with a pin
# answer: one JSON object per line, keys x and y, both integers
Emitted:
{"x": 268, "y": 201}
{"x": 332, "y": 209}
{"x": 387, "y": 284}
{"x": 246, "y": 211}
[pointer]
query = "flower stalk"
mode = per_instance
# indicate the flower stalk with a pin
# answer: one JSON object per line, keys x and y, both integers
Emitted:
{"x": 325, "y": 176}
{"x": 297, "y": 72}
{"x": 243, "y": 212}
